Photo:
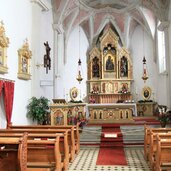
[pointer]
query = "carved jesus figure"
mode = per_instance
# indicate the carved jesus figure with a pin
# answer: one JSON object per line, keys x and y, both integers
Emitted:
{"x": 47, "y": 60}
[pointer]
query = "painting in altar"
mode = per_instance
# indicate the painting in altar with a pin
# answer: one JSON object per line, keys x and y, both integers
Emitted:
{"x": 59, "y": 117}
{"x": 109, "y": 65}
{"x": 124, "y": 67}
{"x": 95, "y": 67}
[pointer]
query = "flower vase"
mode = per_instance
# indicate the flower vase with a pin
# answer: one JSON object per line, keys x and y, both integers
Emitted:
{"x": 163, "y": 124}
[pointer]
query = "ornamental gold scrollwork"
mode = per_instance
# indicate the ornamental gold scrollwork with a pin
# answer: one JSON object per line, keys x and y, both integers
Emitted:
{"x": 4, "y": 42}
{"x": 24, "y": 56}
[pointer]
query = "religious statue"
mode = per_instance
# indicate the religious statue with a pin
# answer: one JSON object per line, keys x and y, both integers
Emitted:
{"x": 95, "y": 67}
{"x": 24, "y": 65}
{"x": 109, "y": 64}
{"x": 47, "y": 60}
{"x": 124, "y": 67}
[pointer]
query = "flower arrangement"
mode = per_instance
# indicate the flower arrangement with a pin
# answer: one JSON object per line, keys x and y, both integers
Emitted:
{"x": 164, "y": 115}
{"x": 83, "y": 122}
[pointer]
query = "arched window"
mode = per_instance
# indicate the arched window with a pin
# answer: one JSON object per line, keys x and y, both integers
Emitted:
{"x": 161, "y": 49}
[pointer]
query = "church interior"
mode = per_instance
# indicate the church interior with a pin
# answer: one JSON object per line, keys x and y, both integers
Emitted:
{"x": 88, "y": 78}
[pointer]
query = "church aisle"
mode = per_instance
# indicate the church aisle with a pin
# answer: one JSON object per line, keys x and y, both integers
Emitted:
{"x": 86, "y": 160}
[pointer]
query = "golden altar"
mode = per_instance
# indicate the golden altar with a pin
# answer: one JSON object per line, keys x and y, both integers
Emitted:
{"x": 109, "y": 81}
{"x": 111, "y": 113}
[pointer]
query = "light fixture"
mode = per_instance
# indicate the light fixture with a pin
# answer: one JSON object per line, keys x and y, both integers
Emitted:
{"x": 79, "y": 77}
{"x": 145, "y": 74}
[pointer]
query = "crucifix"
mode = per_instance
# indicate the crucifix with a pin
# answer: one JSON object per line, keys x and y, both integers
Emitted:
{"x": 47, "y": 60}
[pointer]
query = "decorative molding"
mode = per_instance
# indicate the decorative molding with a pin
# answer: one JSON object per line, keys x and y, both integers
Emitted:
{"x": 4, "y": 42}
{"x": 24, "y": 56}
{"x": 58, "y": 28}
{"x": 163, "y": 25}
{"x": 43, "y": 4}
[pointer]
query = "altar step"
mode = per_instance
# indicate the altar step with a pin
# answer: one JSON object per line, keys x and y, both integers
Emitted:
{"x": 133, "y": 135}
{"x": 91, "y": 135}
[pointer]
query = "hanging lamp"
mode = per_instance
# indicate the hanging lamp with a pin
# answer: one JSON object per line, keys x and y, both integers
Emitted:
{"x": 145, "y": 74}
{"x": 79, "y": 77}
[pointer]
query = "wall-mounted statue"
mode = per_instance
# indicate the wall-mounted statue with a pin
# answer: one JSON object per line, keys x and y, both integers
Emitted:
{"x": 47, "y": 60}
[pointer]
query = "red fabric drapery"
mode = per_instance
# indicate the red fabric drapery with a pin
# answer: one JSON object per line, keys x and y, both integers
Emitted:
{"x": 8, "y": 100}
{"x": 1, "y": 85}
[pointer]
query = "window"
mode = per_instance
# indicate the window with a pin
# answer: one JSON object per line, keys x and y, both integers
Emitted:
{"x": 161, "y": 50}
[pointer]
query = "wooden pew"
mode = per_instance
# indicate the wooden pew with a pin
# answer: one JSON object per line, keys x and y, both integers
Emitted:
{"x": 70, "y": 138}
{"x": 13, "y": 153}
{"x": 43, "y": 151}
{"x": 44, "y": 147}
{"x": 153, "y": 146}
{"x": 163, "y": 154}
{"x": 75, "y": 127}
{"x": 40, "y": 155}
{"x": 147, "y": 137}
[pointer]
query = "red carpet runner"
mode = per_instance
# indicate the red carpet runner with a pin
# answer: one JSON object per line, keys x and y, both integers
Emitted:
{"x": 111, "y": 149}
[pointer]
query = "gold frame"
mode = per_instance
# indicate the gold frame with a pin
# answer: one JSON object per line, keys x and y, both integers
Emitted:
{"x": 24, "y": 56}
{"x": 146, "y": 93}
{"x": 4, "y": 42}
{"x": 74, "y": 93}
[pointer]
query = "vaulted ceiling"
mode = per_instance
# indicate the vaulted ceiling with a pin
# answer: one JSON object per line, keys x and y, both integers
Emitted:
{"x": 94, "y": 15}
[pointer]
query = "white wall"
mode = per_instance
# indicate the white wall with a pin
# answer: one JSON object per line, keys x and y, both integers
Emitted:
{"x": 23, "y": 19}
{"x": 138, "y": 50}
{"x": 42, "y": 31}
{"x": 75, "y": 48}
{"x": 169, "y": 56}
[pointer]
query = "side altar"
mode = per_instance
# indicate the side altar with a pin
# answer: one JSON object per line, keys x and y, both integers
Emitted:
{"x": 67, "y": 113}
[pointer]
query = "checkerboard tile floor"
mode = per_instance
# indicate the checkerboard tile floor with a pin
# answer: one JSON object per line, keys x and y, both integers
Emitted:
{"x": 86, "y": 161}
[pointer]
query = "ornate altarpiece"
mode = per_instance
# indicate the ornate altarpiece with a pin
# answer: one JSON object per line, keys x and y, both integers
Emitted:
{"x": 109, "y": 71}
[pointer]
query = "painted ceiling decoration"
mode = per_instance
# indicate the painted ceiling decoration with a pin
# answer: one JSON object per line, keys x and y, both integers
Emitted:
{"x": 125, "y": 16}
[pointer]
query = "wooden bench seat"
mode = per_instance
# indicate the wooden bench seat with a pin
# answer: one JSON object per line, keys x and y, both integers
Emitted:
{"x": 153, "y": 145}
{"x": 74, "y": 127}
{"x": 163, "y": 154}
{"x": 13, "y": 153}
{"x": 147, "y": 137}
{"x": 40, "y": 156}
{"x": 68, "y": 138}
{"x": 44, "y": 149}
